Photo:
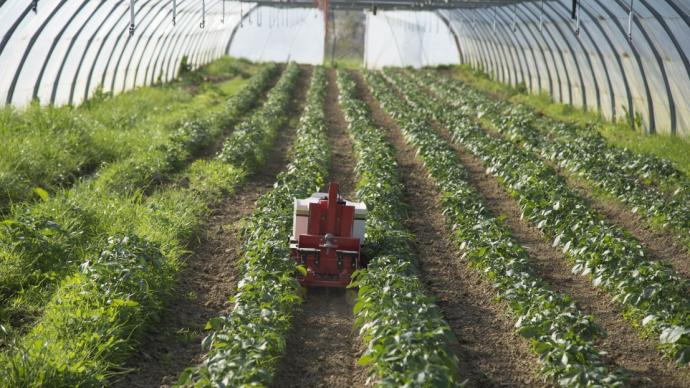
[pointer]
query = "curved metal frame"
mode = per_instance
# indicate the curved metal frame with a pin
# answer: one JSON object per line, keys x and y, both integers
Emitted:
{"x": 106, "y": 55}
{"x": 600, "y": 62}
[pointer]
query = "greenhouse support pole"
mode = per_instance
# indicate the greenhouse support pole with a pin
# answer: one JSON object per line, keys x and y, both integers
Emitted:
{"x": 631, "y": 14}
{"x": 131, "y": 17}
{"x": 203, "y": 14}
{"x": 541, "y": 15}
{"x": 174, "y": 12}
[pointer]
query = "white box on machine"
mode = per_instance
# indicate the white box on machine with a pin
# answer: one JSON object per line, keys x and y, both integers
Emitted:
{"x": 300, "y": 216}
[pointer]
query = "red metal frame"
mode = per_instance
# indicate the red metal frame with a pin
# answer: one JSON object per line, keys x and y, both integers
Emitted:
{"x": 328, "y": 251}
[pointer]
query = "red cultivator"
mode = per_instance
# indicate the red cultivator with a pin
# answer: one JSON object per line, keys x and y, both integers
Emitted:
{"x": 327, "y": 234}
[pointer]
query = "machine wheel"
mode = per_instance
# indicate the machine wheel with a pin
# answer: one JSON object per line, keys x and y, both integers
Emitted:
{"x": 351, "y": 296}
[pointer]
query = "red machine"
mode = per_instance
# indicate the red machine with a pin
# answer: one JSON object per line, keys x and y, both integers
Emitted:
{"x": 327, "y": 234}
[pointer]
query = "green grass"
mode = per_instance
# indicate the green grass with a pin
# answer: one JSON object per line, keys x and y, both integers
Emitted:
{"x": 344, "y": 63}
{"x": 100, "y": 303}
{"x": 620, "y": 133}
{"x": 51, "y": 147}
{"x": 42, "y": 242}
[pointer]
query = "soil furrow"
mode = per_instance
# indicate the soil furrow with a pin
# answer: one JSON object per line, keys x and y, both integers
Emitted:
{"x": 210, "y": 276}
{"x": 489, "y": 351}
{"x": 321, "y": 347}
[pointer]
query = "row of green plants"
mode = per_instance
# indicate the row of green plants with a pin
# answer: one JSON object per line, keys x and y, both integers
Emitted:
{"x": 46, "y": 148}
{"x": 41, "y": 243}
{"x": 653, "y": 296}
{"x": 197, "y": 133}
{"x": 248, "y": 144}
{"x": 661, "y": 159}
{"x": 558, "y": 331}
{"x": 97, "y": 314}
{"x": 243, "y": 347}
{"x": 406, "y": 337}
{"x": 585, "y": 154}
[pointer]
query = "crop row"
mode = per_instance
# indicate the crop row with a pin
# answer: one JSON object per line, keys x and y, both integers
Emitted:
{"x": 42, "y": 242}
{"x": 562, "y": 336}
{"x": 584, "y": 153}
{"x": 406, "y": 337}
{"x": 195, "y": 134}
{"x": 651, "y": 169}
{"x": 248, "y": 144}
{"x": 51, "y": 147}
{"x": 96, "y": 315}
{"x": 244, "y": 345}
{"x": 652, "y": 294}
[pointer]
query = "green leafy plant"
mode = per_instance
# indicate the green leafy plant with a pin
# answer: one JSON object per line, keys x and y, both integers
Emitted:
{"x": 97, "y": 313}
{"x": 585, "y": 154}
{"x": 244, "y": 345}
{"x": 53, "y": 147}
{"x": 406, "y": 337}
{"x": 561, "y": 335}
{"x": 652, "y": 294}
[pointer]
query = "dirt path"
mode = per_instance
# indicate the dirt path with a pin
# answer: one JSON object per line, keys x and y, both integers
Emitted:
{"x": 490, "y": 353}
{"x": 322, "y": 346}
{"x": 625, "y": 349}
{"x": 205, "y": 284}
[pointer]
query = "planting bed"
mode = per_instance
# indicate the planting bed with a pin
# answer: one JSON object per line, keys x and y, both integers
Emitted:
{"x": 504, "y": 247}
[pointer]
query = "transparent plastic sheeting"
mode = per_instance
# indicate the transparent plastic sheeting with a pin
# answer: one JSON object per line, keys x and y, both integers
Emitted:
{"x": 626, "y": 65}
{"x": 67, "y": 49}
{"x": 407, "y": 38}
{"x": 281, "y": 35}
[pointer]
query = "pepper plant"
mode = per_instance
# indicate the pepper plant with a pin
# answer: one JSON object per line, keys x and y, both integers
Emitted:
{"x": 653, "y": 296}
{"x": 407, "y": 339}
{"x": 558, "y": 331}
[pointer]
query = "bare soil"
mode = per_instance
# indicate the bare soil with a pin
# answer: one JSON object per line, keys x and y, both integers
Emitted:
{"x": 322, "y": 347}
{"x": 210, "y": 276}
{"x": 490, "y": 353}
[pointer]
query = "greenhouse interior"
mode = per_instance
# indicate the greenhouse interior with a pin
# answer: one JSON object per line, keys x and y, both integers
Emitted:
{"x": 345, "y": 193}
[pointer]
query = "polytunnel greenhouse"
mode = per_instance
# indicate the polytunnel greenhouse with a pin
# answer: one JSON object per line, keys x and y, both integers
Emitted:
{"x": 338, "y": 193}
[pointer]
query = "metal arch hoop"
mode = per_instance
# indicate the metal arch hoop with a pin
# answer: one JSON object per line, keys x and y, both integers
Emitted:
{"x": 81, "y": 60}
{"x": 27, "y": 51}
{"x": 39, "y": 79}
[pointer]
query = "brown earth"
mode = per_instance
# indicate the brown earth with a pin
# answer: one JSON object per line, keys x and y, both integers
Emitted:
{"x": 210, "y": 276}
{"x": 322, "y": 348}
{"x": 489, "y": 351}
